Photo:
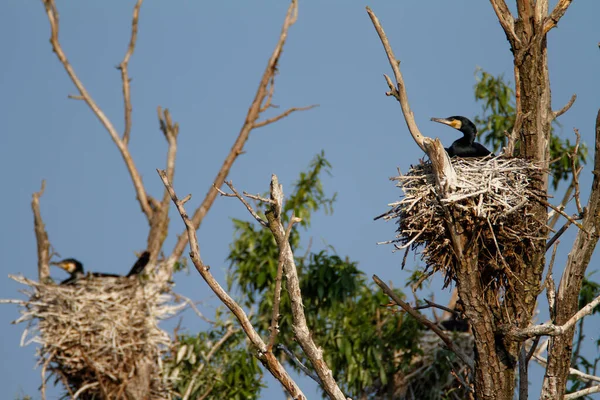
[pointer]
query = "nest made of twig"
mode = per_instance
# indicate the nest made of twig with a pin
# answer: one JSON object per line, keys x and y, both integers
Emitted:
{"x": 100, "y": 336}
{"x": 491, "y": 203}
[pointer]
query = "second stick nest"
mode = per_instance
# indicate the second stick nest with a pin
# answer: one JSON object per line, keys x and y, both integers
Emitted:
{"x": 491, "y": 205}
{"x": 100, "y": 337}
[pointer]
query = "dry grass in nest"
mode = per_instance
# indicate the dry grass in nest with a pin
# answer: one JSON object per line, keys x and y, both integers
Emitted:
{"x": 491, "y": 204}
{"x": 100, "y": 337}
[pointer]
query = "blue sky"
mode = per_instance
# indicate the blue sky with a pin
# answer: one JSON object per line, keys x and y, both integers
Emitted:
{"x": 203, "y": 60}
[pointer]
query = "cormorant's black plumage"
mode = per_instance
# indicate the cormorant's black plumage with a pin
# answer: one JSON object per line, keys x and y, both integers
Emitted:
{"x": 140, "y": 264}
{"x": 465, "y": 146}
{"x": 75, "y": 269}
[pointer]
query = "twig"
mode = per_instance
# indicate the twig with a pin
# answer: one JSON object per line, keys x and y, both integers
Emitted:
{"x": 249, "y": 124}
{"x": 300, "y": 327}
{"x": 551, "y": 329}
{"x": 124, "y": 72}
{"x": 432, "y": 304}
{"x": 559, "y": 10}
{"x": 299, "y": 364}
{"x": 506, "y": 20}
{"x": 159, "y": 224}
{"x": 274, "y": 328}
{"x": 561, "y": 212}
{"x": 207, "y": 392}
{"x": 400, "y": 92}
{"x": 465, "y": 358}
{"x": 572, "y": 371}
{"x": 136, "y": 178}
{"x": 244, "y": 202}
{"x": 576, "y": 171}
{"x": 258, "y": 198}
{"x": 260, "y": 124}
{"x": 549, "y": 283}
{"x": 582, "y": 392}
{"x": 41, "y": 236}
{"x": 553, "y": 216}
{"x": 84, "y": 388}
{"x": 558, "y": 234}
{"x": 230, "y": 331}
{"x": 268, "y": 360}
{"x": 566, "y": 107}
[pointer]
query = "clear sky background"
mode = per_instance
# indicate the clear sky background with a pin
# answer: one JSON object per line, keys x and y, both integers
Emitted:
{"x": 203, "y": 60}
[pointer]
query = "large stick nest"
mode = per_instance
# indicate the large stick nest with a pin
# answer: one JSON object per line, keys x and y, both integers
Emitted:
{"x": 491, "y": 205}
{"x": 100, "y": 336}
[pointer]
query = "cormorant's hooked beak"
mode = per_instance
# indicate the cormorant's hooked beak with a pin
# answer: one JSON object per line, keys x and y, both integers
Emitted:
{"x": 68, "y": 266}
{"x": 456, "y": 124}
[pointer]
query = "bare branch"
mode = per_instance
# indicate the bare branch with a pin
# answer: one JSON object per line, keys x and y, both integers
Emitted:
{"x": 136, "y": 178}
{"x": 560, "y": 232}
{"x": 125, "y": 74}
{"x": 159, "y": 225}
{"x": 400, "y": 92}
{"x": 301, "y": 331}
{"x": 249, "y": 124}
{"x": 553, "y": 216}
{"x": 444, "y": 173}
{"x": 244, "y": 202}
{"x": 299, "y": 364}
{"x": 551, "y": 329}
{"x": 41, "y": 236}
{"x": 465, "y": 358}
{"x": 267, "y": 358}
{"x": 572, "y": 371}
{"x": 566, "y": 107}
{"x": 260, "y": 124}
{"x": 582, "y": 392}
{"x": 506, "y": 20}
{"x": 567, "y": 297}
{"x": 559, "y": 10}
{"x": 274, "y": 328}
{"x": 550, "y": 286}
{"x": 576, "y": 171}
{"x": 561, "y": 212}
{"x": 258, "y": 198}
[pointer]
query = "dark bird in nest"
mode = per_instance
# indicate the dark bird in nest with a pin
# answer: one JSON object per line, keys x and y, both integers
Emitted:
{"x": 75, "y": 269}
{"x": 466, "y": 145}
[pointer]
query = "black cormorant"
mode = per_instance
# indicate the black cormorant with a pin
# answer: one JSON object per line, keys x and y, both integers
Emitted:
{"x": 140, "y": 264}
{"x": 75, "y": 269}
{"x": 466, "y": 145}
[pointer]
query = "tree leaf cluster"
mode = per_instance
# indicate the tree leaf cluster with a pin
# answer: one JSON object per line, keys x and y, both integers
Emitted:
{"x": 364, "y": 343}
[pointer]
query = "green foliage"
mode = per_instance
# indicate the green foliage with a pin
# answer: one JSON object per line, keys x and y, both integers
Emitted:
{"x": 498, "y": 116}
{"x": 230, "y": 373}
{"x": 363, "y": 343}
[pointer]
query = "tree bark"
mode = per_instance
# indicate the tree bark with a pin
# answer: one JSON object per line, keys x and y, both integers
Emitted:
{"x": 560, "y": 347}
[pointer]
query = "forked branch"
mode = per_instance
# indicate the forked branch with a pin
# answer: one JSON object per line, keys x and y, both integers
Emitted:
{"x": 444, "y": 173}
{"x": 415, "y": 314}
{"x": 261, "y": 102}
{"x": 125, "y": 73}
{"x": 136, "y": 178}
{"x": 267, "y": 358}
{"x": 559, "y": 10}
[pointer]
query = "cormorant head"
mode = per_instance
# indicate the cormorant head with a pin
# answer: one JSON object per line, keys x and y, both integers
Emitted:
{"x": 461, "y": 123}
{"x": 71, "y": 265}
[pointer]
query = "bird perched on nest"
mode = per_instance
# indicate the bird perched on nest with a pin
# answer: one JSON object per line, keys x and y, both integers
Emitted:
{"x": 75, "y": 269}
{"x": 465, "y": 146}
